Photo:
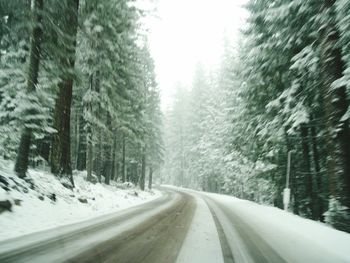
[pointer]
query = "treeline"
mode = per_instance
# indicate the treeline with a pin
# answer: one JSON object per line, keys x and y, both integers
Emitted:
{"x": 78, "y": 90}
{"x": 285, "y": 89}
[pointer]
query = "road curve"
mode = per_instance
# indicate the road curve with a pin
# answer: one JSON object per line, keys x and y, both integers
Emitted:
{"x": 151, "y": 232}
{"x": 182, "y": 226}
{"x": 240, "y": 243}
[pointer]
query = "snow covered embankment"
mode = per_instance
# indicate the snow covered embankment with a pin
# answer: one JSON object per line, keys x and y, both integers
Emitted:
{"x": 42, "y": 202}
{"x": 295, "y": 238}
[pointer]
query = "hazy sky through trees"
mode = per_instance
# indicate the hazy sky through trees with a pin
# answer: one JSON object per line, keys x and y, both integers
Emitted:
{"x": 186, "y": 32}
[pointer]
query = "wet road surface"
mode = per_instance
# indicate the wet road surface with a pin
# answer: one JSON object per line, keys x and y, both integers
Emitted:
{"x": 150, "y": 233}
{"x": 139, "y": 234}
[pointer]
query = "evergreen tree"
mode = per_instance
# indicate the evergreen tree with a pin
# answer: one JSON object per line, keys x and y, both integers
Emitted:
{"x": 21, "y": 165}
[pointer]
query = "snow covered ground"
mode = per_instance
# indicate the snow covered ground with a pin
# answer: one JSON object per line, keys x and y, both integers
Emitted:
{"x": 35, "y": 210}
{"x": 295, "y": 238}
{"x": 275, "y": 233}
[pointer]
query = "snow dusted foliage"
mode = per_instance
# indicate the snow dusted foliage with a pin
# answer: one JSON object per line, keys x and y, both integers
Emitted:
{"x": 119, "y": 108}
{"x": 19, "y": 109}
{"x": 293, "y": 64}
{"x": 343, "y": 18}
{"x": 94, "y": 82}
{"x": 205, "y": 137}
{"x": 284, "y": 90}
{"x": 13, "y": 52}
{"x": 337, "y": 215}
{"x": 10, "y": 133}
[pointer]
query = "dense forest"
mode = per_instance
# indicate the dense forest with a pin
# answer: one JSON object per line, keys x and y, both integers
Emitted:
{"x": 78, "y": 90}
{"x": 284, "y": 89}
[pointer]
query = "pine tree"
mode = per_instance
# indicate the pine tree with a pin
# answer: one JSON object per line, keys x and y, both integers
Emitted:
{"x": 336, "y": 105}
{"x": 21, "y": 165}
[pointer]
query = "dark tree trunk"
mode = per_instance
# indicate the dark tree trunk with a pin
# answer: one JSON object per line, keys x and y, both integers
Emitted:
{"x": 99, "y": 148}
{"x": 143, "y": 171}
{"x": 75, "y": 136}
{"x": 75, "y": 141}
{"x": 43, "y": 147}
{"x": 150, "y": 178}
{"x": 307, "y": 169}
{"x": 60, "y": 155}
{"x": 99, "y": 156}
{"x": 316, "y": 160}
{"x": 116, "y": 175}
{"x": 22, "y": 159}
{"x": 89, "y": 152}
{"x": 113, "y": 168}
{"x": 132, "y": 175}
{"x": 343, "y": 138}
{"x": 81, "y": 153}
{"x": 295, "y": 193}
{"x": 89, "y": 158}
{"x": 123, "y": 160}
{"x": 108, "y": 165}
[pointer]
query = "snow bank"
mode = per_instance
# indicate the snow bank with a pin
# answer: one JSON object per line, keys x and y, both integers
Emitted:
{"x": 46, "y": 203}
{"x": 295, "y": 238}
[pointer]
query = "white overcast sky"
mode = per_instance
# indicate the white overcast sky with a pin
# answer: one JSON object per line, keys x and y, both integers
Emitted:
{"x": 185, "y": 32}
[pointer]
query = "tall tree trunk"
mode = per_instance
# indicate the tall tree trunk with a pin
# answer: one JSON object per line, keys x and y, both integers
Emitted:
{"x": 150, "y": 178}
{"x": 43, "y": 147}
{"x": 89, "y": 157}
{"x": 81, "y": 155}
{"x": 21, "y": 164}
{"x": 60, "y": 155}
{"x": 295, "y": 193}
{"x": 143, "y": 171}
{"x": 336, "y": 104}
{"x": 77, "y": 138}
{"x": 107, "y": 152}
{"x": 123, "y": 160}
{"x": 307, "y": 169}
{"x": 99, "y": 115}
{"x": 116, "y": 175}
{"x": 316, "y": 160}
{"x": 89, "y": 150}
{"x": 132, "y": 175}
{"x": 113, "y": 167}
{"x": 99, "y": 156}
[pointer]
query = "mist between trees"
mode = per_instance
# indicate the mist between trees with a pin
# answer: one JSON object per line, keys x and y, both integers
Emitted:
{"x": 284, "y": 88}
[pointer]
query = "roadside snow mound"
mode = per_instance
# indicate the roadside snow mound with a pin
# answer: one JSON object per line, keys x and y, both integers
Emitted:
{"x": 41, "y": 201}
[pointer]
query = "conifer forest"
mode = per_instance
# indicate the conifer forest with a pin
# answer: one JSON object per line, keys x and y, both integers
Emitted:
{"x": 80, "y": 94}
{"x": 78, "y": 89}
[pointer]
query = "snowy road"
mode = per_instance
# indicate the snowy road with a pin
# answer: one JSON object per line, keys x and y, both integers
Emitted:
{"x": 151, "y": 232}
{"x": 185, "y": 227}
{"x": 241, "y": 242}
{"x": 249, "y": 232}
